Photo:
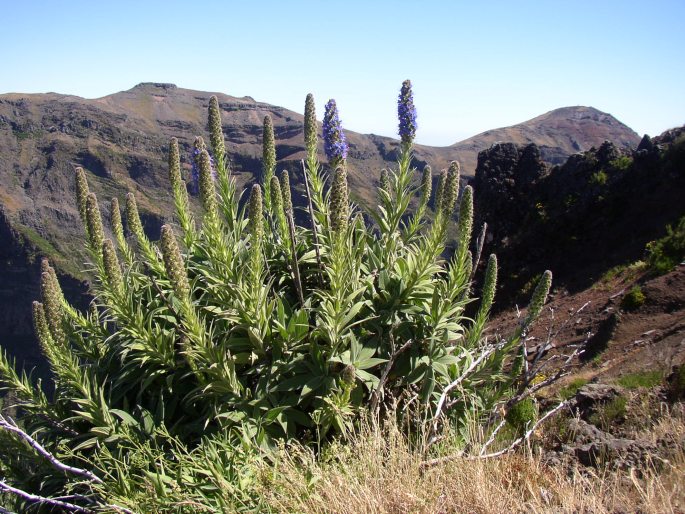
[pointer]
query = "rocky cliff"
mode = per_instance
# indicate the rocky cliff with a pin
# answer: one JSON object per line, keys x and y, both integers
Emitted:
{"x": 596, "y": 210}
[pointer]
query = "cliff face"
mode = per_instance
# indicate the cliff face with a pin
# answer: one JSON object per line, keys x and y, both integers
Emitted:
{"x": 121, "y": 141}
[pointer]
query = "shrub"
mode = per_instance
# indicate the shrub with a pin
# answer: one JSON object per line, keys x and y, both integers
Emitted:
{"x": 633, "y": 299}
{"x": 599, "y": 178}
{"x": 621, "y": 163}
{"x": 240, "y": 329}
{"x": 666, "y": 253}
{"x": 626, "y": 271}
{"x": 522, "y": 415}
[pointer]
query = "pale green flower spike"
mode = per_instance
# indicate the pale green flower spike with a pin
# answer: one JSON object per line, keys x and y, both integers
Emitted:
{"x": 115, "y": 218}
{"x": 465, "y": 226}
{"x": 489, "y": 285}
{"x": 340, "y": 207}
{"x": 96, "y": 233}
{"x": 268, "y": 157}
{"x": 278, "y": 210}
{"x": 426, "y": 184}
{"x": 285, "y": 189}
{"x": 51, "y": 294}
{"x": 384, "y": 181}
{"x": 133, "y": 218}
{"x": 207, "y": 190}
{"x": 451, "y": 190}
{"x": 111, "y": 265}
{"x": 175, "y": 167}
{"x": 173, "y": 263}
{"x": 81, "y": 193}
{"x": 440, "y": 191}
{"x": 310, "y": 127}
{"x": 539, "y": 297}
{"x": 40, "y": 325}
{"x": 216, "y": 134}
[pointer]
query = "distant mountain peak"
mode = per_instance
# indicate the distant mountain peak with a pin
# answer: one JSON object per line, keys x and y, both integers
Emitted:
{"x": 559, "y": 133}
{"x": 157, "y": 85}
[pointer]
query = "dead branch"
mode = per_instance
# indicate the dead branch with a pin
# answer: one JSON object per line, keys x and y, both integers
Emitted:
{"x": 445, "y": 392}
{"x": 508, "y": 449}
{"x": 9, "y": 425}
{"x": 375, "y": 396}
{"x": 33, "y": 498}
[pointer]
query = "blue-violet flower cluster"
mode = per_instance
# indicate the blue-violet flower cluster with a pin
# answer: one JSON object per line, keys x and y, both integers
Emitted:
{"x": 195, "y": 170}
{"x": 335, "y": 144}
{"x": 406, "y": 112}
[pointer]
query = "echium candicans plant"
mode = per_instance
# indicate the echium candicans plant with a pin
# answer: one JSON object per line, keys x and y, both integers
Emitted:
{"x": 241, "y": 328}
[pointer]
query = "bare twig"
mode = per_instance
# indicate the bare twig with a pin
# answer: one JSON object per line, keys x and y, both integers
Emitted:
{"x": 491, "y": 439}
{"x": 508, "y": 449}
{"x": 375, "y": 396}
{"x": 527, "y": 435}
{"x": 9, "y": 425}
{"x": 33, "y": 498}
{"x": 445, "y": 392}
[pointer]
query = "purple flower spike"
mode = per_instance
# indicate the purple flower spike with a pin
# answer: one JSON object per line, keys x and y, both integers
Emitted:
{"x": 198, "y": 146}
{"x": 333, "y": 135}
{"x": 406, "y": 112}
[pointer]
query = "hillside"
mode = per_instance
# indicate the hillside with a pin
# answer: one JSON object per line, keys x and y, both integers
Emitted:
{"x": 558, "y": 133}
{"x": 121, "y": 141}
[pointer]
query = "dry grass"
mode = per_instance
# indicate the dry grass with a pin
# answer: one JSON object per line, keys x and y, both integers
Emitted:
{"x": 379, "y": 472}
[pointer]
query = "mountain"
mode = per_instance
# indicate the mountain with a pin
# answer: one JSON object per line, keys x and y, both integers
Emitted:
{"x": 121, "y": 141}
{"x": 558, "y": 134}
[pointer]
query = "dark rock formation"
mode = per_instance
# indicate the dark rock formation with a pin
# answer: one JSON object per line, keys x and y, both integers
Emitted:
{"x": 505, "y": 176}
{"x": 595, "y": 211}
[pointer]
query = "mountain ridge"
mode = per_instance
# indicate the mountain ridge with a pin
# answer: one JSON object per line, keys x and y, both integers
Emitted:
{"x": 146, "y": 98}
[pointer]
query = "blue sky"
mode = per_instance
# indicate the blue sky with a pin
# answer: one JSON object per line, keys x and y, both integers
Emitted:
{"x": 474, "y": 65}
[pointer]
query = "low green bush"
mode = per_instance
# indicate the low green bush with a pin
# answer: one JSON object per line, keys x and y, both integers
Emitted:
{"x": 599, "y": 178}
{"x": 666, "y": 253}
{"x": 522, "y": 415}
{"x": 621, "y": 163}
{"x": 633, "y": 299}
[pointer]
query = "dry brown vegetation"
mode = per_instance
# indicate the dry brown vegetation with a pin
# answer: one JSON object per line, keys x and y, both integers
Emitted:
{"x": 380, "y": 472}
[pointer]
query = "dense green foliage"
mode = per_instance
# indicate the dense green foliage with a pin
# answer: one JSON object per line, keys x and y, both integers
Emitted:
{"x": 241, "y": 329}
{"x": 666, "y": 253}
{"x": 633, "y": 299}
{"x": 522, "y": 415}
